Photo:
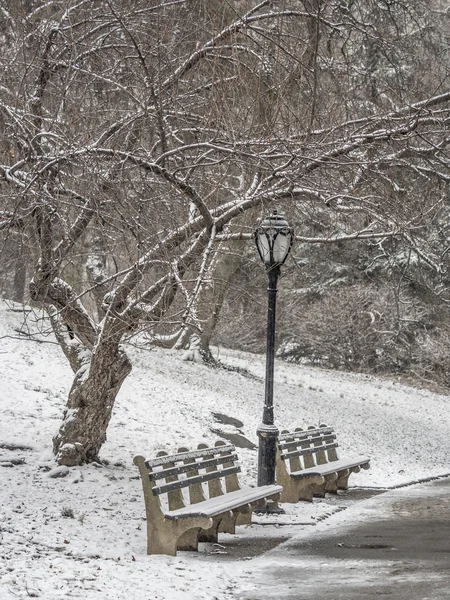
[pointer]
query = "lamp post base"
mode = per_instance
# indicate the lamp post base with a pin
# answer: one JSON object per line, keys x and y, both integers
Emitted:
{"x": 267, "y": 457}
{"x": 267, "y": 453}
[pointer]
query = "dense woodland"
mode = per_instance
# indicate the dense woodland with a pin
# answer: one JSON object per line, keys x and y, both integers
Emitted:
{"x": 141, "y": 141}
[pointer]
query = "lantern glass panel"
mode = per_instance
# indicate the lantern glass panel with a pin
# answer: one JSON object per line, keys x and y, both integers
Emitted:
{"x": 264, "y": 242}
{"x": 281, "y": 246}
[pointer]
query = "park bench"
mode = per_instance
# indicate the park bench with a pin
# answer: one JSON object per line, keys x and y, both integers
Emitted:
{"x": 191, "y": 496}
{"x": 308, "y": 464}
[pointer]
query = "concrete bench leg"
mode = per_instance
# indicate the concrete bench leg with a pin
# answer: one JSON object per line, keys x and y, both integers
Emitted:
{"x": 210, "y": 534}
{"x": 164, "y": 537}
{"x": 291, "y": 490}
{"x": 296, "y": 488}
{"x": 318, "y": 490}
{"x": 331, "y": 483}
{"x": 300, "y": 488}
{"x": 189, "y": 540}
{"x": 308, "y": 489}
{"x": 244, "y": 515}
{"x": 342, "y": 482}
{"x": 228, "y": 522}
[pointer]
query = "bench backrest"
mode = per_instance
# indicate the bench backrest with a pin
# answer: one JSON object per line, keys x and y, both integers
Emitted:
{"x": 302, "y": 449}
{"x": 191, "y": 476}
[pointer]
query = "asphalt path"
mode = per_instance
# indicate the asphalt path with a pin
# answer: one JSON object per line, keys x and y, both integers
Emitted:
{"x": 395, "y": 545}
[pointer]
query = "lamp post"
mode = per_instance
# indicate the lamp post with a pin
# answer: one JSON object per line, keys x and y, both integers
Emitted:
{"x": 273, "y": 239}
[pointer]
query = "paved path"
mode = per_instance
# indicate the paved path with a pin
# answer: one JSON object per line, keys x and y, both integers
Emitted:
{"x": 395, "y": 546}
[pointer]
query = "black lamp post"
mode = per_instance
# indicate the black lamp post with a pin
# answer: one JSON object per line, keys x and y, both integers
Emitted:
{"x": 273, "y": 240}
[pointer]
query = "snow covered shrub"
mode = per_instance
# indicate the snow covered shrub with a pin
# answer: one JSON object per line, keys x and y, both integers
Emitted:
{"x": 67, "y": 513}
{"x": 360, "y": 328}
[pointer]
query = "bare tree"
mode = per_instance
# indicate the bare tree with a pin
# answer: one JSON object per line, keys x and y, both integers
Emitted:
{"x": 140, "y": 134}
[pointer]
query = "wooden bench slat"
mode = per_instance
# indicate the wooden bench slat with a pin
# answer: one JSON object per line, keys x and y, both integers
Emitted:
{"x": 304, "y": 433}
{"x": 221, "y": 504}
{"x": 188, "y": 481}
{"x": 305, "y": 451}
{"x": 194, "y": 466}
{"x": 182, "y": 456}
{"x": 295, "y": 443}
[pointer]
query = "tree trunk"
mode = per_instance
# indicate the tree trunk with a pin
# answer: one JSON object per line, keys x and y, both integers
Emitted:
{"x": 20, "y": 273}
{"x": 90, "y": 405}
{"x": 227, "y": 265}
{"x": 209, "y": 305}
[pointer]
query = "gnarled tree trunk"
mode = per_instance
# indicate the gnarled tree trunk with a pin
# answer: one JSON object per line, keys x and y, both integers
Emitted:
{"x": 90, "y": 404}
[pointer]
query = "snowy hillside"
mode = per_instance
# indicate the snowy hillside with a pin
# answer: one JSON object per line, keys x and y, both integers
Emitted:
{"x": 83, "y": 535}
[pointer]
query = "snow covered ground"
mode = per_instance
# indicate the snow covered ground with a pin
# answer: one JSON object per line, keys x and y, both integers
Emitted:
{"x": 83, "y": 535}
